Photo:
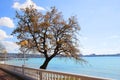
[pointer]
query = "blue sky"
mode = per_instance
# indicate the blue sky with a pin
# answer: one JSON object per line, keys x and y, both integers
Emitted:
{"x": 99, "y": 21}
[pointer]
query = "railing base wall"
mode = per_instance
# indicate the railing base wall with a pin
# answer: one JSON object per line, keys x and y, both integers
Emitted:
{"x": 18, "y": 75}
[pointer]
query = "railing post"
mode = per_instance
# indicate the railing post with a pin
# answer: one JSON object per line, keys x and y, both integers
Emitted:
{"x": 23, "y": 69}
{"x": 14, "y": 68}
{"x": 40, "y": 74}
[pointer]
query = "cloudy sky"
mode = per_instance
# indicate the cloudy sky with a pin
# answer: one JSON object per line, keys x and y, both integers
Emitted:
{"x": 99, "y": 21}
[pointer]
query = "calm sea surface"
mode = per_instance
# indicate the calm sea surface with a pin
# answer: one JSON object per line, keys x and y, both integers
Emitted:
{"x": 108, "y": 67}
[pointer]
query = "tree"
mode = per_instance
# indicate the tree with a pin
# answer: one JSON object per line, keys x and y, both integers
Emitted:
{"x": 3, "y": 50}
{"x": 48, "y": 33}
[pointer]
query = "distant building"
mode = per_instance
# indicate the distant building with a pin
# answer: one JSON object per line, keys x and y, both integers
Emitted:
{"x": 19, "y": 55}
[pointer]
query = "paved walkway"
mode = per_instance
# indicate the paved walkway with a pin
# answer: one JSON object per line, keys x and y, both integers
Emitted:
{"x": 6, "y": 76}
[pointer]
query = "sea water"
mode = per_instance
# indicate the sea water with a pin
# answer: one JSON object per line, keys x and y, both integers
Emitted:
{"x": 107, "y": 67}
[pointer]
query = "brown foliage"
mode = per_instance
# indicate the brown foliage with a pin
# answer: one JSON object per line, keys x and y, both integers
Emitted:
{"x": 48, "y": 33}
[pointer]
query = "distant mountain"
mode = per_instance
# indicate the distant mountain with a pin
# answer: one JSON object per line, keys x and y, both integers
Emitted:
{"x": 96, "y": 55}
{"x": 19, "y": 55}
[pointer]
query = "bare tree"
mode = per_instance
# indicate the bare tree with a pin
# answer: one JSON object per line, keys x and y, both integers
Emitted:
{"x": 48, "y": 33}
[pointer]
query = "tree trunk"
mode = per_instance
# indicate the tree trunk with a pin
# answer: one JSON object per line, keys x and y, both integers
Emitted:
{"x": 45, "y": 64}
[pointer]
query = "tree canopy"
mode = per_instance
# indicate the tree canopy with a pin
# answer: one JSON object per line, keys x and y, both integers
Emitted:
{"x": 47, "y": 33}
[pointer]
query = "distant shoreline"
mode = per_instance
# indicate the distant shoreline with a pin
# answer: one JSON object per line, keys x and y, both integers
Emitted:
{"x": 108, "y": 55}
{"x": 18, "y": 55}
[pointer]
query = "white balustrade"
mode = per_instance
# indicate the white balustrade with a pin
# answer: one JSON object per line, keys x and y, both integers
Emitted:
{"x": 40, "y": 74}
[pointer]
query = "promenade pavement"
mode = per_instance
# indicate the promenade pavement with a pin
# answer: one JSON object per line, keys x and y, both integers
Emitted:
{"x": 6, "y": 76}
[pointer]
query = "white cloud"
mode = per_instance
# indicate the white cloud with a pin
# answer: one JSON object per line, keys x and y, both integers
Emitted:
{"x": 6, "y": 21}
{"x": 100, "y": 51}
{"x": 16, "y": 0}
{"x": 84, "y": 38}
{"x": 86, "y": 51}
{"x": 3, "y": 35}
{"x": 114, "y": 37}
{"x": 11, "y": 47}
{"x": 19, "y": 6}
